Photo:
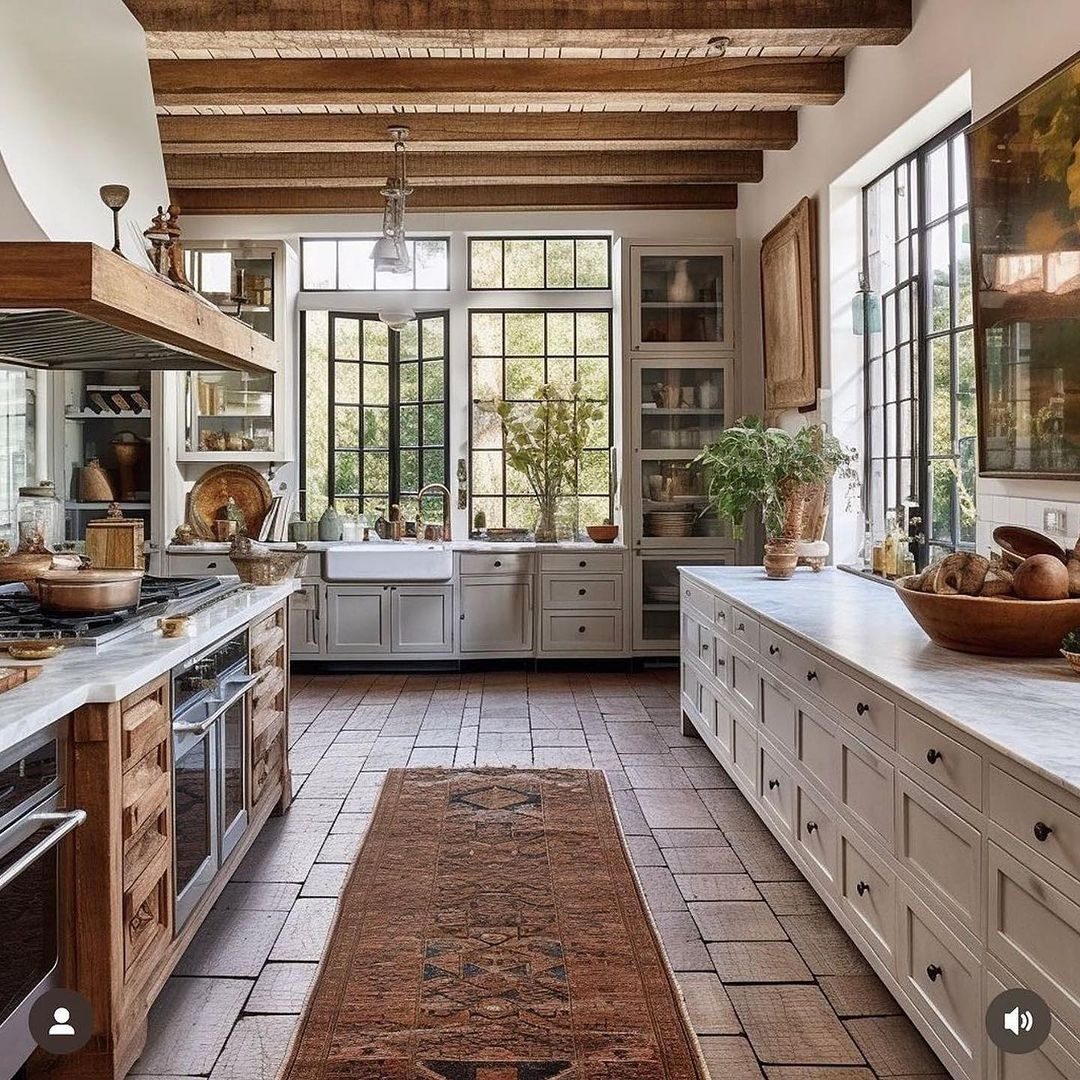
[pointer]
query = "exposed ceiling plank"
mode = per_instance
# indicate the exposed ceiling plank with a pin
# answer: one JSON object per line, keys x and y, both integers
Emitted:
{"x": 440, "y": 132}
{"x": 727, "y": 83}
{"x": 565, "y": 167}
{"x": 391, "y": 24}
{"x": 496, "y": 197}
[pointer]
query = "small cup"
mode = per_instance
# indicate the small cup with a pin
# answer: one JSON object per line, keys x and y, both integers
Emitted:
{"x": 173, "y": 626}
{"x": 224, "y": 529}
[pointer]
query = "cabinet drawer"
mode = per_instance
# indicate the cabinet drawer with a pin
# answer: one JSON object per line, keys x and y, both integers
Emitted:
{"x": 941, "y": 978}
{"x": 941, "y": 849}
{"x": 267, "y": 692}
{"x": 744, "y": 753}
{"x": 744, "y": 628}
{"x": 515, "y": 562}
{"x": 721, "y": 614}
{"x": 777, "y": 791}
{"x": 201, "y": 565}
{"x": 145, "y": 790}
{"x": 867, "y": 889}
{"x": 947, "y": 761}
{"x": 818, "y": 748}
{"x": 866, "y": 787}
{"x": 147, "y": 927}
{"x": 698, "y": 599}
{"x": 569, "y": 591}
{"x": 607, "y": 562}
{"x": 816, "y": 833}
{"x": 692, "y": 688}
{"x": 1057, "y": 1059}
{"x": 1034, "y": 929}
{"x": 725, "y": 721}
{"x": 778, "y": 712}
{"x": 144, "y": 722}
{"x": 266, "y": 765}
{"x": 145, "y": 845}
{"x": 1040, "y": 822}
{"x": 595, "y": 632}
{"x": 743, "y": 682}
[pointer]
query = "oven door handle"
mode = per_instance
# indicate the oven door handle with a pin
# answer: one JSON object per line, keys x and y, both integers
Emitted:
{"x": 183, "y": 728}
{"x": 66, "y": 821}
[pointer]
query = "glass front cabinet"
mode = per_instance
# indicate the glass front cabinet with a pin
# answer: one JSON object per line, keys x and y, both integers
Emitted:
{"x": 237, "y": 415}
{"x": 682, "y": 299}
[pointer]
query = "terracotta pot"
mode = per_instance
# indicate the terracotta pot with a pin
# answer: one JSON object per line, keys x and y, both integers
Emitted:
{"x": 781, "y": 558}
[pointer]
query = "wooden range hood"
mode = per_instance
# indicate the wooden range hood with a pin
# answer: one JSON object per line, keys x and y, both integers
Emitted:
{"x": 76, "y": 305}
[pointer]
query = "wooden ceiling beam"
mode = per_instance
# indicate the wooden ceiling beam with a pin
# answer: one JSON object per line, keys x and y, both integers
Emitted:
{"x": 442, "y": 132}
{"x": 306, "y": 200}
{"x": 560, "y": 167}
{"x": 766, "y": 83}
{"x": 391, "y": 24}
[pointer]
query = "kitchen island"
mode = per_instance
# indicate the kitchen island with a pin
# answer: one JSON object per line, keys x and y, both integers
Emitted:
{"x": 930, "y": 797}
{"x": 176, "y": 751}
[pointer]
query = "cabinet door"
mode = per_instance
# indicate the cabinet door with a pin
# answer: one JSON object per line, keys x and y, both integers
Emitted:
{"x": 358, "y": 619}
{"x": 421, "y": 619}
{"x": 496, "y": 615}
{"x": 305, "y": 621}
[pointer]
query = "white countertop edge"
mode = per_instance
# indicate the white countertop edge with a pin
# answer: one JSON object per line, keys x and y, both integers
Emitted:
{"x": 1011, "y": 743}
{"x": 81, "y": 674}
{"x": 499, "y": 547}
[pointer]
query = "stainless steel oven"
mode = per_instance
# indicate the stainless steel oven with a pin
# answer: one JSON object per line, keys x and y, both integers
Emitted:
{"x": 210, "y": 695}
{"x": 33, "y": 821}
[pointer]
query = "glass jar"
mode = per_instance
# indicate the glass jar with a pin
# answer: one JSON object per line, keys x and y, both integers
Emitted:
{"x": 40, "y": 515}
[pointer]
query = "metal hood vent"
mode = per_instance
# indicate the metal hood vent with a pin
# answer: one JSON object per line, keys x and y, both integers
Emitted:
{"x": 71, "y": 306}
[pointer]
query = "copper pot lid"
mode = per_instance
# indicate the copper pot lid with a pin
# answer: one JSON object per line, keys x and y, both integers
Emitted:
{"x": 88, "y": 576}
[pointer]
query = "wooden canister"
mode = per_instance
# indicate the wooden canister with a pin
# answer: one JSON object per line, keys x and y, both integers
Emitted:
{"x": 115, "y": 542}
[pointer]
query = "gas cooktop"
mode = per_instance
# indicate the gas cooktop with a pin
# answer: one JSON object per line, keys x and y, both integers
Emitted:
{"x": 21, "y": 615}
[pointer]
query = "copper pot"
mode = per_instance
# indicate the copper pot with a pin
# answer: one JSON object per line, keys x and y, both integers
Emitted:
{"x": 89, "y": 592}
{"x": 25, "y": 566}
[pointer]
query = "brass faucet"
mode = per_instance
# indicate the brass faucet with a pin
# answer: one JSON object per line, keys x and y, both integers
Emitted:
{"x": 445, "y": 491}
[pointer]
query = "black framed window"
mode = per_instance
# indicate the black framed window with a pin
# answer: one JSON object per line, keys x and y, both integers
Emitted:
{"x": 512, "y": 354}
{"x": 539, "y": 262}
{"x": 344, "y": 265}
{"x": 375, "y": 416}
{"x": 919, "y": 364}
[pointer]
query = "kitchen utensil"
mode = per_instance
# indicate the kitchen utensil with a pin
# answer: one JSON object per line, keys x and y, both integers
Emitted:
{"x": 11, "y": 677}
{"x": 89, "y": 591}
{"x": 34, "y": 649}
{"x": 93, "y": 483}
{"x": 1017, "y": 544}
{"x": 991, "y": 625}
{"x": 602, "y": 534}
{"x": 115, "y": 542}
{"x": 211, "y": 493}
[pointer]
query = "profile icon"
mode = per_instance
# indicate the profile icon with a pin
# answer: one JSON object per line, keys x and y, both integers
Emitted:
{"x": 60, "y": 1025}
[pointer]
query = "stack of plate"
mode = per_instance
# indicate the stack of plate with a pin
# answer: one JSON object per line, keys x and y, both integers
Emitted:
{"x": 662, "y": 594}
{"x": 670, "y": 522}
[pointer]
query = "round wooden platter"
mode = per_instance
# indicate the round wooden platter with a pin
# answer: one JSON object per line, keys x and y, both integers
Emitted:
{"x": 211, "y": 492}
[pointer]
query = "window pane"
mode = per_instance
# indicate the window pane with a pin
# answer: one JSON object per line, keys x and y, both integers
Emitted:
{"x": 376, "y": 427}
{"x": 487, "y": 472}
{"x": 409, "y": 382}
{"x": 409, "y": 419}
{"x": 432, "y": 264}
{"x": 525, "y": 334}
{"x": 409, "y": 466}
{"x": 941, "y": 401}
{"x": 376, "y": 384}
{"x": 560, "y": 331}
{"x": 376, "y": 341}
{"x": 940, "y": 278}
{"x": 355, "y": 268}
{"x": 487, "y": 333}
{"x": 376, "y": 473}
{"x": 408, "y": 342}
{"x": 433, "y": 332}
{"x": 347, "y": 339}
{"x": 347, "y": 383}
{"x": 319, "y": 259}
{"x": 346, "y": 473}
{"x": 486, "y": 264}
{"x": 434, "y": 419}
{"x": 523, "y": 264}
{"x": 960, "y": 171}
{"x": 560, "y": 264}
{"x": 962, "y": 271}
{"x": 937, "y": 170}
{"x": 346, "y": 427}
{"x": 592, "y": 333}
{"x": 316, "y": 411}
{"x": 593, "y": 264}
{"x": 434, "y": 378}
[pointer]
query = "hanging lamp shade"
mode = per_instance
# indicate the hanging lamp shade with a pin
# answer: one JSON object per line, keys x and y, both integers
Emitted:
{"x": 865, "y": 309}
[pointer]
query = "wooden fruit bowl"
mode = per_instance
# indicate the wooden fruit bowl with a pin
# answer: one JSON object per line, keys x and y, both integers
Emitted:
{"x": 992, "y": 625}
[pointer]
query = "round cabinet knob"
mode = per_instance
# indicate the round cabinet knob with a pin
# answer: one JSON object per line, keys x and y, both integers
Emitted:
{"x": 582, "y": 592}
{"x": 933, "y": 972}
{"x": 583, "y": 564}
{"x": 773, "y": 784}
{"x": 862, "y": 708}
{"x": 1042, "y": 831}
{"x": 211, "y": 566}
{"x": 581, "y": 629}
{"x": 862, "y": 888}
{"x": 774, "y": 649}
{"x": 705, "y": 647}
{"x": 741, "y": 627}
{"x": 498, "y": 563}
{"x": 811, "y": 676}
{"x": 686, "y": 594}
{"x": 933, "y": 756}
{"x": 811, "y": 827}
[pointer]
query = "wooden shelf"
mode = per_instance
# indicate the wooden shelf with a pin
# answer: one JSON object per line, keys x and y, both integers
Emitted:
{"x": 647, "y": 410}
{"x": 89, "y": 414}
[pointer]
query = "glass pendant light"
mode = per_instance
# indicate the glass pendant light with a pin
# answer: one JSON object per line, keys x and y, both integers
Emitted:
{"x": 391, "y": 252}
{"x": 865, "y": 309}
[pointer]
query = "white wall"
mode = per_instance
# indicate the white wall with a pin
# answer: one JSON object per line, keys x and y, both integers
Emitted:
{"x": 960, "y": 54}
{"x": 76, "y": 112}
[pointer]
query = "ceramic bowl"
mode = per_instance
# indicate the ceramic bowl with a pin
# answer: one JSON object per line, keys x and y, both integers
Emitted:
{"x": 602, "y": 534}
{"x": 1018, "y": 544}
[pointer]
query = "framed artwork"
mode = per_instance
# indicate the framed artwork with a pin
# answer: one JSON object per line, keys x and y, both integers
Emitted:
{"x": 789, "y": 311}
{"x": 1024, "y": 163}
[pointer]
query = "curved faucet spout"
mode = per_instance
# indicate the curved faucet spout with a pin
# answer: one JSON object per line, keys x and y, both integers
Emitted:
{"x": 445, "y": 492}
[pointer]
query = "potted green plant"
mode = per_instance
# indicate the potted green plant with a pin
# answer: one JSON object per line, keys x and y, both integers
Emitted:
{"x": 544, "y": 441}
{"x": 1070, "y": 649}
{"x": 751, "y": 465}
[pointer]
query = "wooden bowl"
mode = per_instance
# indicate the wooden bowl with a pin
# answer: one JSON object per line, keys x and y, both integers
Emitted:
{"x": 602, "y": 534}
{"x": 1017, "y": 544}
{"x": 992, "y": 625}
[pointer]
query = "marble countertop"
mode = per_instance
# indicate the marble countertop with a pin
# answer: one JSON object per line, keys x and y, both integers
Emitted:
{"x": 209, "y": 547}
{"x": 1029, "y": 710}
{"x": 82, "y": 674}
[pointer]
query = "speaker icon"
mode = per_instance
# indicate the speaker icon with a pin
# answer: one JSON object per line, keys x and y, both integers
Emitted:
{"x": 1017, "y": 1021}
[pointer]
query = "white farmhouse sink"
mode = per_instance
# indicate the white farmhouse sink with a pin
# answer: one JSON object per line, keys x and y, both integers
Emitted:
{"x": 388, "y": 563}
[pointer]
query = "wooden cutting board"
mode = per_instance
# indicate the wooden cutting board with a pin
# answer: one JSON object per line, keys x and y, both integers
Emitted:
{"x": 15, "y": 676}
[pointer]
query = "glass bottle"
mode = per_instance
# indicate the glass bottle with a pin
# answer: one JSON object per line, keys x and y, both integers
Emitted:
{"x": 889, "y": 545}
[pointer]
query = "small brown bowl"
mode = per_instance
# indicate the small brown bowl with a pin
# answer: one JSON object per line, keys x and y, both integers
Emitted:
{"x": 1073, "y": 659}
{"x": 33, "y": 649}
{"x": 602, "y": 534}
{"x": 1018, "y": 544}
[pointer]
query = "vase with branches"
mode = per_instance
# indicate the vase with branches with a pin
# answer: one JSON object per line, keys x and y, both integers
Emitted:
{"x": 544, "y": 441}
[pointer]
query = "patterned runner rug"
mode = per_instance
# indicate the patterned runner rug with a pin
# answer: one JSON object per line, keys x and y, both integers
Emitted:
{"x": 492, "y": 929}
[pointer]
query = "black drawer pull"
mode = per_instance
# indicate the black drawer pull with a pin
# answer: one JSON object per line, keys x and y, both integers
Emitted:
{"x": 811, "y": 827}
{"x": 581, "y": 629}
{"x": 862, "y": 708}
{"x": 741, "y": 627}
{"x": 687, "y": 594}
{"x": 933, "y": 972}
{"x": 498, "y": 563}
{"x": 705, "y": 647}
{"x": 211, "y": 566}
{"x": 773, "y": 784}
{"x": 774, "y": 649}
{"x": 933, "y": 756}
{"x": 862, "y": 888}
{"x": 1042, "y": 831}
{"x": 811, "y": 675}
{"x": 583, "y": 564}
{"x": 582, "y": 592}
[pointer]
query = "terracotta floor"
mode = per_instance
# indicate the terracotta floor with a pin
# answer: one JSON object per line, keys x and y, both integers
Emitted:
{"x": 774, "y": 986}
